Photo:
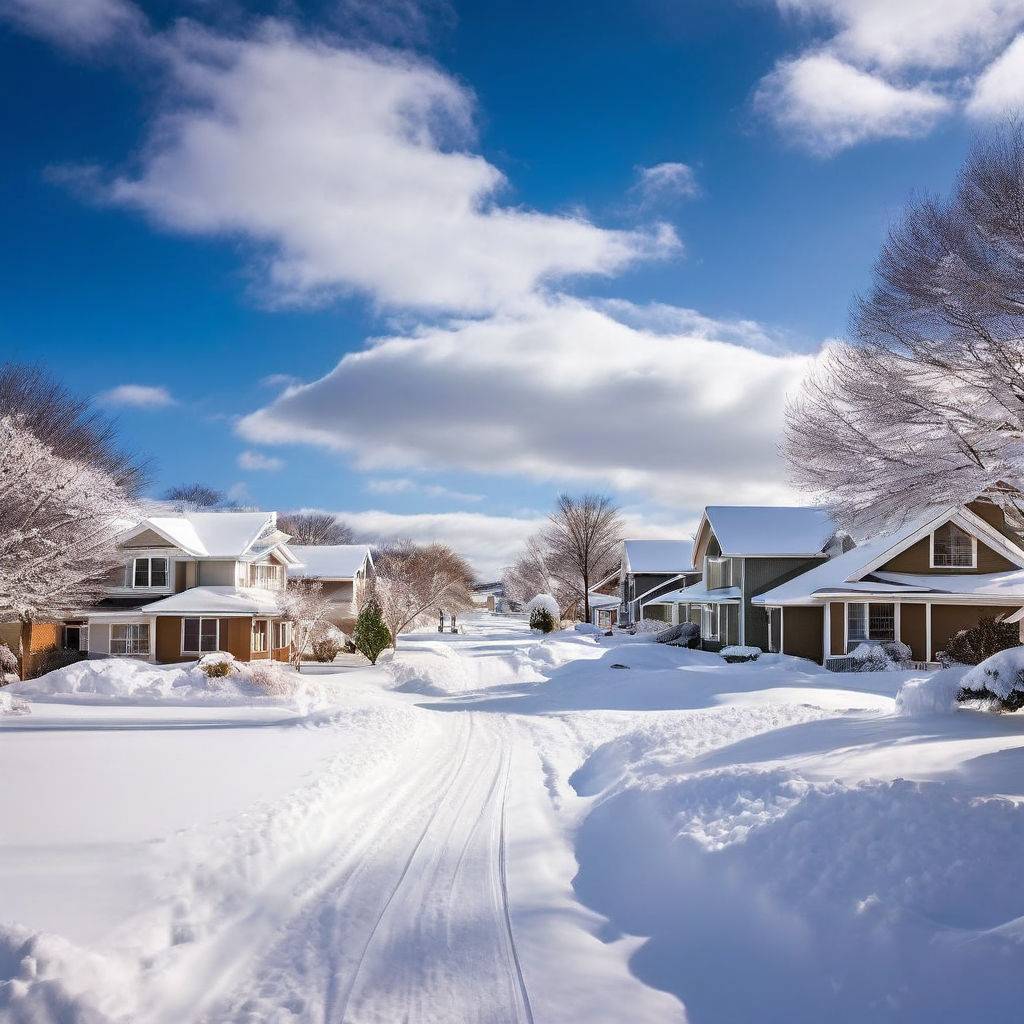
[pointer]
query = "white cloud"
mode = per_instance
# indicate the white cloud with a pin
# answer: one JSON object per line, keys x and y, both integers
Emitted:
{"x": 404, "y": 485}
{"x": 999, "y": 90}
{"x": 351, "y": 171}
{"x": 897, "y": 34}
{"x": 820, "y": 102}
{"x": 258, "y": 461}
{"x": 667, "y": 180}
{"x": 560, "y": 391}
{"x": 138, "y": 396}
{"x": 75, "y": 24}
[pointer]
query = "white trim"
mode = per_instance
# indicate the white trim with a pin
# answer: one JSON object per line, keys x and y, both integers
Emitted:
{"x": 782, "y": 630}
{"x": 149, "y": 584}
{"x": 126, "y": 653}
{"x": 931, "y": 550}
{"x": 181, "y": 646}
{"x": 927, "y": 631}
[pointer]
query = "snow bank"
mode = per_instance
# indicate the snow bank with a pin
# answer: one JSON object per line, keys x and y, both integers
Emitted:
{"x": 932, "y": 694}
{"x": 1001, "y": 674}
{"x": 739, "y": 651}
{"x": 12, "y": 705}
{"x": 127, "y": 681}
{"x": 588, "y": 628}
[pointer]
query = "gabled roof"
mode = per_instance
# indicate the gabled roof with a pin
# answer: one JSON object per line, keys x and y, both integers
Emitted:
{"x": 216, "y": 601}
{"x": 329, "y": 561}
{"x": 667, "y": 556}
{"x": 698, "y": 593}
{"x": 770, "y": 530}
{"x": 212, "y": 534}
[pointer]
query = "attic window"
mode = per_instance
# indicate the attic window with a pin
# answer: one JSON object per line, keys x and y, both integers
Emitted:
{"x": 953, "y": 548}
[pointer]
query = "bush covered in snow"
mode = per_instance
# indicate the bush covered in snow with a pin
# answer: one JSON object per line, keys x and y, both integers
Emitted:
{"x": 544, "y": 613}
{"x": 972, "y": 646}
{"x": 998, "y": 680}
{"x": 649, "y": 626}
{"x": 885, "y": 657}
{"x": 217, "y": 664}
{"x": 932, "y": 694}
{"x": 736, "y": 654}
{"x": 270, "y": 678}
{"x": 8, "y": 665}
{"x": 327, "y": 645}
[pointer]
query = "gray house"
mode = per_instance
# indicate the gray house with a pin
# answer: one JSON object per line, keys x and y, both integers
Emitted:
{"x": 741, "y": 551}
{"x": 647, "y": 569}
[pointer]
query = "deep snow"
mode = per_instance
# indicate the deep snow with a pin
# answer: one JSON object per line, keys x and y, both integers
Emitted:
{"x": 499, "y": 826}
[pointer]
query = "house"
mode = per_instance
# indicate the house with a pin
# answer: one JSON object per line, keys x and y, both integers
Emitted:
{"x": 647, "y": 568}
{"x": 343, "y": 569}
{"x": 191, "y": 583}
{"x": 604, "y": 609}
{"x": 740, "y": 552}
{"x": 919, "y": 584}
{"x": 489, "y": 596}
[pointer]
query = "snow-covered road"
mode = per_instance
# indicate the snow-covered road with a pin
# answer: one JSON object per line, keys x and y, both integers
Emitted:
{"x": 505, "y": 829}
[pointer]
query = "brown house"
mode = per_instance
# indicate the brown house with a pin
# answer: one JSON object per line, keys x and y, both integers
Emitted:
{"x": 344, "y": 570}
{"x": 920, "y": 585}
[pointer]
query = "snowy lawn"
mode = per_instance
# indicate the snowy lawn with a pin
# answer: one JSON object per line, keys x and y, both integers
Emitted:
{"x": 498, "y": 826}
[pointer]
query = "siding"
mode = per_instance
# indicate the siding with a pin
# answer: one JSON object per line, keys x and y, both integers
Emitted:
{"x": 913, "y": 629}
{"x": 216, "y": 574}
{"x": 802, "y": 632}
{"x": 837, "y": 629}
{"x": 948, "y": 619}
{"x": 915, "y": 559}
{"x": 148, "y": 539}
{"x": 759, "y": 576}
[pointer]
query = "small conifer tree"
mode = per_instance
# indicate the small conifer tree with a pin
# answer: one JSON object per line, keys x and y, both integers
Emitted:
{"x": 371, "y": 635}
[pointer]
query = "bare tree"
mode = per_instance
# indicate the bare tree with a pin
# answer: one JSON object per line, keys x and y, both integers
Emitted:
{"x": 925, "y": 406}
{"x": 309, "y": 608}
{"x": 533, "y": 573}
{"x": 316, "y": 528}
{"x": 197, "y": 497}
{"x": 414, "y": 583}
{"x": 582, "y": 540}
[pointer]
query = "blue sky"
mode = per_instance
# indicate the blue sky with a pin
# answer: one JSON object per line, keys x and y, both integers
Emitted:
{"x": 601, "y": 240}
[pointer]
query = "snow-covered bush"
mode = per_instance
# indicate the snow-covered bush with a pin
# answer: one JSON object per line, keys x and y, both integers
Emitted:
{"x": 328, "y": 644}
{"x": 8, "y": 665}
{"x": 735, "y": 654}
{"x": 933, "y": 694}
{"x": 972, "y": 646}
{"x": 544, "y": 613}
{"x": 885, "y": 657}
{"x": 998, "y": 680}
{"x": 51, "y": 660}
{"x": 679, "y": 636}
{"x": 649, "y": 626}
{"x": 217, "y": 664}
{"x": 270, "y": 678}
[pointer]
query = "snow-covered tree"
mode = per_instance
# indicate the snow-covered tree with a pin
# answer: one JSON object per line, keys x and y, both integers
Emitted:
{"x": 925, "y": 406}
{"x": 309, "y": 609}
{"x": 197, "y": 497}
{"x": 532, "y": 573}
{"x": 315, "y": 528}
{"x": 414, "y": 583}
{"x": 59, "y": 516}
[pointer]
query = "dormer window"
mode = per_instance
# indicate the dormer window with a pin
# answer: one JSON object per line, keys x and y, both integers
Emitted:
{"x": 149, "y": 572}
{"x": 953, "y": 548}
{"x": 719, "y": 573}
{"x": 266, "y": 575}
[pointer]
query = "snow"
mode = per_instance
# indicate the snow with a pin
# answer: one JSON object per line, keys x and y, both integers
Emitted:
{"x": 1008, "y": 586}
{"x": 212, "y": 534}
{"x": 603, "y": 600}
{"x": 328, "y": 561}
{"x": 499, "y": 827}
{"x": 659, "y": 556}
{"x": 755, "y": 530}
{"x": 698, "y": 593}
{"x": 546, "y": 603}
{"x": 1000, "y": 674}
{"x": 933, "y": 694}
{"x": 740, "y": 651}
{"x": 216, "y": 601}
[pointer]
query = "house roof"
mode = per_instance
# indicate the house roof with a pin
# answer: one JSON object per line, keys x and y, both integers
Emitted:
{"x": 602, "y": 600}
{"x": 328, "y": 561}
{"x": 857, "y": 571}
{"x": 669, "y": 556}
{"x": 764, "y": 530}
{"x": 217, "y": 601}
{"x": 697, "y": 593}
{"x": 210, "y": 534}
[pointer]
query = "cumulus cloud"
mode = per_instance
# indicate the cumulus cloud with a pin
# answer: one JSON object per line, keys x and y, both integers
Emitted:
{"x": 75, "y": 24}
{"x": 351, "y": 171}
{"x": 138, "y": 396}
{"x": 897, "y": 34}
{"x": 825, "y": 105}
{"x": 557, "y": 390}
{"x": 999, "y": 90}
{"x": 404, "y": 485}
{"x": 666, "y": 181}
{"x": 258, "y": 461}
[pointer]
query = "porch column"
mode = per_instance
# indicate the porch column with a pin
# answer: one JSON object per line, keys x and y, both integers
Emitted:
{"x": 927, "y": 631}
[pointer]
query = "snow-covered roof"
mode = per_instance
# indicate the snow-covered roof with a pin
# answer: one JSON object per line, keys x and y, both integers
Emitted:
{"x": 216, "y": 601}
{"x": 668, "y": 556}
{"x": 602, "y": 600}
{"x": 764, "y": 530}
{"x": 210, "y": 534}
{"x": 328, "y": 561}
{"x": 699, "y": 594}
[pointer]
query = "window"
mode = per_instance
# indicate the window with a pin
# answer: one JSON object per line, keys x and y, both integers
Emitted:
{"x": 76, "y": 637}
{"x": 129, "y": 638}
{"x": 267, "y": 575}
{"x": 709, "y": 622}
{"x": 200, "y": 635}
{"x": 259, "y": 636}
{"x": 874, "y": 623}
{"x": 953, "y": 548}
{"x": 719, "y": 573}
{"x": 150, "y": 572}
{"x": 282, "y": 634}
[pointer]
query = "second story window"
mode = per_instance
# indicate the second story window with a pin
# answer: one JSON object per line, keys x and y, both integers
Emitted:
{"x": 719, "y": 573}
{"x": 266, "y": 575}
{"x": 953, "y": 548}
{"x": 149, "y": 572}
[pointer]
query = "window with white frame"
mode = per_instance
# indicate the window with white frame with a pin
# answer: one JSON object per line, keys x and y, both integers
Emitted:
{"x": 76, "y": 637}
{"x": 149, "y": 572}
{"x": 199, "y": 636}
{"x": 266, "y": 575}
{"x": 953, "y": 548}
{"x": 129, "y": 638}
{"x": 259, "y": 636}
{"x": 869, "y": 623}
{"x": 719, "y": 573}
{"x": 709, "y": 624}
{"x": 282, "y": 634}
